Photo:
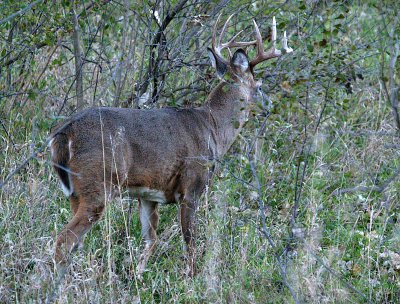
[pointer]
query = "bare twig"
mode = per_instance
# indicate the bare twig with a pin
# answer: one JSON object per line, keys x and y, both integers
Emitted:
{"x": 374, "y": 188}
{"x": 299, "y": 182}
{"x": 32, "y": 156}
{"x": 335, "y": 274}
{"x": 367, "y": 133}
{"x": 18, "y": 168}
{"x": 299, "y": 186}
{"x": 264, "y": 230}
{"x": 394, "y": 91}
{"x": 93, "y": 4}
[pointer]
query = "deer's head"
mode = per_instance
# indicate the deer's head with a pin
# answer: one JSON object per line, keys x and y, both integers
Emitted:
{"x": 239, "y": 69}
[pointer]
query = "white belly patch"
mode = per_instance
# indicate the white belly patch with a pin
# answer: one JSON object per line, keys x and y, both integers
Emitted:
{"x": 148, "y": 194}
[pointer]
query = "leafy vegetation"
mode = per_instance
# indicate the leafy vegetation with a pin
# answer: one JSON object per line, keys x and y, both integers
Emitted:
{"x": 321, "y": 167}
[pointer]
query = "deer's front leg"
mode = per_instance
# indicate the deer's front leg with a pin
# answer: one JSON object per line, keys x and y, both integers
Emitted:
{"x": 149, "y": 220}
{"x": 188, "y": 225}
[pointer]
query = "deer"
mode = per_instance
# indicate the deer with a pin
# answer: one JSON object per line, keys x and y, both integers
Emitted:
{"x": 161, "y": 156}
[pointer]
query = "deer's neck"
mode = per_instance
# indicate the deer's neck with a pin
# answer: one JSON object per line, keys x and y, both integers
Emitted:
{"x": 229, "y": 106}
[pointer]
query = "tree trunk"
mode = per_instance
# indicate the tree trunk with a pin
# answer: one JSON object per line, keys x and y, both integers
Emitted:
{"x": 78, "y": 60}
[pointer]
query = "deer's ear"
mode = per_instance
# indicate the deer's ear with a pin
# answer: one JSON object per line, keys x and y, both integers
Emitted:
{"x": 240, "y": 61}
{"x": 217, "y": 63}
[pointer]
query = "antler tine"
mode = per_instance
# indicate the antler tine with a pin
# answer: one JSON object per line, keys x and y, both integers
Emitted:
{"x": 262, "y": 55}
{"x": 223, "y": 30}
{"x": 259, "y": 41}
{"x": 233, "y": 43}
{"x": 232, "y": 40}
{"x": 273, "y": 35}
{"x": 217, "y": 44}
{"x": 284, "y": 43}
{"x": 214, "y": 34}
{"x": 273, "y": 52}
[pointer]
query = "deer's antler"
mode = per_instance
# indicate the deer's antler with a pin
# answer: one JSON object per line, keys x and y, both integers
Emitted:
{"x": 273, "y": 51}
{"x": 262, "y": 55}
{"x": 218, "y": 46}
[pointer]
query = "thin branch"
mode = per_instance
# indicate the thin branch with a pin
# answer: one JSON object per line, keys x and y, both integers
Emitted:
{"x": 22, "y": 11}
{"x": 19, "y": 167}
{"x": 91, "y": 5}
{"x": 6, "y": 131}
{"x": 299, "y": 183}
{"x": 32, "y": 156}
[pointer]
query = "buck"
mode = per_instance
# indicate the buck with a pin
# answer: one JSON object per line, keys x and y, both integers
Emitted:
{"x": 161, "y": 156}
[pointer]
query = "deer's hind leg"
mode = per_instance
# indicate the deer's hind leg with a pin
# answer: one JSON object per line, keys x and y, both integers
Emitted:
{"x": 87, "y": 204}
{"x": 188, "y": 225}
{"x": 72, "y": 234}
{"x": 148, "y": 213}
{"x": 74, "y": 200}
{"x": 194, "y": 185}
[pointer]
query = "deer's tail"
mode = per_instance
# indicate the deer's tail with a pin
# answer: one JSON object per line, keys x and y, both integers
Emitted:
{"x": 60, "y": 147}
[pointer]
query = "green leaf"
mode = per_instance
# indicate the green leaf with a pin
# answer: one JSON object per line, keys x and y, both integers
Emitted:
{"x": 50, "y": 39}
{"x": 57, "y": 61}
{"x": 225, "y": 88}
{"x": 32, "y": 94}
{"x": 42, "y": 84}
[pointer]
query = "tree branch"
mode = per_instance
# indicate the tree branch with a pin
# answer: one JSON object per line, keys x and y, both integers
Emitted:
{"x": 157, "y": 40}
